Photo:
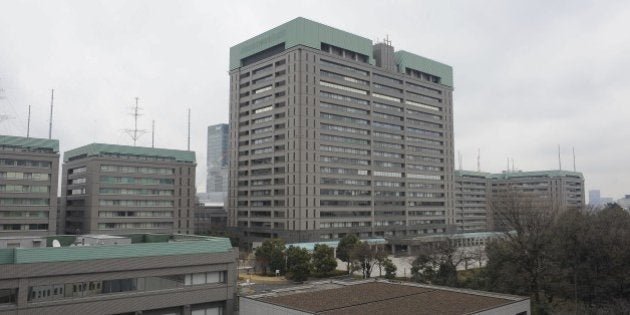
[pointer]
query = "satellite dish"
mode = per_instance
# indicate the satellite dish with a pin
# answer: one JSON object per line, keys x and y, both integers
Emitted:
{"x": 55, "y": 243}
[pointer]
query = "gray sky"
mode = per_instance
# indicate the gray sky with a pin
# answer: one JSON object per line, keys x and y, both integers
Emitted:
{"x": 529, "y": 75}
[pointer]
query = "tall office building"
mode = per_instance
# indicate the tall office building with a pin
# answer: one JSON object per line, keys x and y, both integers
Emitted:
{"x": 117, "y": 189}
{"x": 217, "y": 162}
{"x": 29, "y": 170}
{"x": 331, "y": 134}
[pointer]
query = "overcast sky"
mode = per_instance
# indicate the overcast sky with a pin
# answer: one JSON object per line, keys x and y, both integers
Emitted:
{"x": 529, "y": 75}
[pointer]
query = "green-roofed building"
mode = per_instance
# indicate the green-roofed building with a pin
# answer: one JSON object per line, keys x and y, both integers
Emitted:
{"x": 131, "y": 274}
{"x": 119, "y": 189}
{"x": 29, "y": 172}
{"x": 332, "y": 133}
{"x": 475, "y": 190}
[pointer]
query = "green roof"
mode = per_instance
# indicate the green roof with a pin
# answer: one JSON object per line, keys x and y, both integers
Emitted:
{"x": 300, "y": 31}
{"x": 406, "y": 59}
{"x": 548, "y": 173}
{"x": 96, "y": 149}
{"x": 517, "y": 174}
{"x": 186, "y": 246}
{"x": 29, "y": 143}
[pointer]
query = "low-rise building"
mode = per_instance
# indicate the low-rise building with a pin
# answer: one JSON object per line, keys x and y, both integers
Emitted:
{"x": 381, "y": 297}
{"x": 154, "y": 274}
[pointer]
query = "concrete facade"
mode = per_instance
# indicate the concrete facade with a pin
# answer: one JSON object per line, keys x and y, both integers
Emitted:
{"x": 331, "y": 134}
{"x": 150, "y": 278}
{"x": 29, "y": 171}
{"x": 113, "y": 189}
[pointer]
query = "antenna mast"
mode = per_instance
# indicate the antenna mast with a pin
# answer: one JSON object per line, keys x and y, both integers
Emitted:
{"x": 52, "y": 99}
{"x": 559, "y": 159}
{"x": 135, "y": 133}
{"x": 188, "y": 129}
{"x": 478, "y": 160}
{"x": 28, "y": 123}
{"x": 153, "y": 134}
{"x": 574, "y": 159}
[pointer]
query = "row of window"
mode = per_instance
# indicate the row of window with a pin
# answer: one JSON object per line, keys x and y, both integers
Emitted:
{"x": 24, "y": 202}
{"x": 24, "y": 176}
{"x": 130, "y": 191}
{"x": 135, "y": 214}
{"x": 24, "y": 189}
{"x": 135, "y": 225}
{"x": 24, "y": 227}
{"x": 25, "y": 163}
{"x": 136, "y": 180}
{"x": 137, "y": 169}
{"x": 136, "y": 203}
{"x": 24, "y": 214}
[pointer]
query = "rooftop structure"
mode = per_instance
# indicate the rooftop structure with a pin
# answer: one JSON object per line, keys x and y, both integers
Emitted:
{"x": 29, "y": 172}
{"x": 381, "y": 297}
{"x": 116, "y": 189}
{"x": 176, "y": 274}
{"x": 331, "y": 134}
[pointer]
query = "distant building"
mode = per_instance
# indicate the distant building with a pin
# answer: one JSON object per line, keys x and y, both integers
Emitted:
{"x": 381, "y": 297}
{"x": 217, "y": 163}
{"x": 210, "y": 218}
{"x": 594, "y": 197}
{"x": 117, "y": 189}
{"x": 151, "y": 274}
{"x": 474, "y": 191}
{"x": 29, "y": 171}
{"x": 624, "y": 202}
{"x": 332, "y": 134}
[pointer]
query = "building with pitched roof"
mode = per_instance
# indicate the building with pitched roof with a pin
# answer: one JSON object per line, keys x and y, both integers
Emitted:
{"x": 137, "y": 274}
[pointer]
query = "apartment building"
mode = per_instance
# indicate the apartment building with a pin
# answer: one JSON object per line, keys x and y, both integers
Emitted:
{"x": 29, "y": 170}
{"x": 117, "y": 189}
{"x": 140, "y": 274}
{"x": 332, "y": 134}
{"x": 471, "y": 201}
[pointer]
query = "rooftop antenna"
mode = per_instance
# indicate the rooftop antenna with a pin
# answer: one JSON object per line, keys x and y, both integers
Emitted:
{"x": 513, "y": 168}
{"x": 387, "y": 41}
{"x": 28, "y": 123}
{"x": 478, "y": 160}
{"x": 559, "y": 160}
{"x": 508, "y": 164}
{"x": 134, "y": 133}
{"x": 52, "y": 99}
{"x": 188, "y": 129}
{"x": 459, "y": 159}
{"x": 153, "y": 134}
{"x": 574, "y": 159}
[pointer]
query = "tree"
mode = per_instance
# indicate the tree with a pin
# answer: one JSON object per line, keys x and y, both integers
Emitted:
{"x": 270, "y": 256}
{"x": 390, "y": 268}
{"x": 364, "y": 255}
{"x": 298, "y": 263}
{"x": 345, "y": 247}
{"x": 324, "y": 261}
{"x": 437, "y": 264}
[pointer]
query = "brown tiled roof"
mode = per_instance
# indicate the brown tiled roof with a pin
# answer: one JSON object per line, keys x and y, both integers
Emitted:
{"x": 387, "y": 298}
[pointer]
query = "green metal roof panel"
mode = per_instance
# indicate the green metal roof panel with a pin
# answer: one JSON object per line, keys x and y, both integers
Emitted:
{"x": 78, "y": 253}
{"x": 96, "y": 149}
{"x": 300, "y": 31}
{"x": 29, "y": 143}
{"x": 549, "y": 173}
{"x": 405, "y": 59}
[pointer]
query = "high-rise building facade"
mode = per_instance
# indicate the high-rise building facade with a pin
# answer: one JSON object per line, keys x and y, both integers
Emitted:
{"x": 331, "y": 134}
{"x": 217, "y": 163}
{"x": 117, "y": 189}
{"x": 29, "y": 170}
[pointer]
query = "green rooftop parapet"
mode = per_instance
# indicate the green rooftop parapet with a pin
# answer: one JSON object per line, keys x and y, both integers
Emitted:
{"x": 30, "y": 143}
{"x": 300, "y": 31}
{"x": 406, "y": 59}
{"x": 97, "y": 149}
{"x": 201, "y": 245}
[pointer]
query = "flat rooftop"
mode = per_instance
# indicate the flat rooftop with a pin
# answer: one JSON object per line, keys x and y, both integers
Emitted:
{"x": 29, "y": 144}
{"x": 102, "y": 149}
{"x": 143, "y": 245}
{"x": 518, "y": 174}
{"x": 382, "y": 297}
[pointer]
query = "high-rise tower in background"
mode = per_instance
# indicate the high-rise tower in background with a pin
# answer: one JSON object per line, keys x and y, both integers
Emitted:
{"x": 332, "y": 134}
{"x": 217, "y": 162}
